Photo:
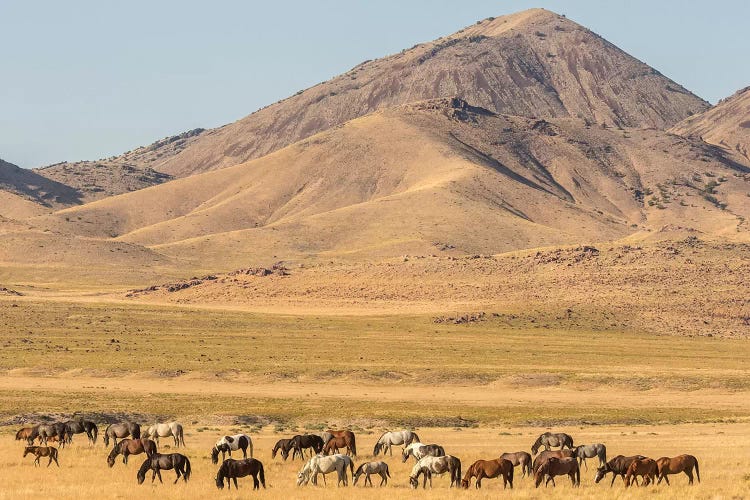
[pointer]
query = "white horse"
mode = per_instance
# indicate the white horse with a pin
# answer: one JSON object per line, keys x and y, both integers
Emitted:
{"x": 228, "y": 444}
{"x": 420, "y": 450}
{"x": 398, "y": 438}
{"x": 158, "y": 430}
{"x": 436, "y": 465}
{"x": 325, "y": 464}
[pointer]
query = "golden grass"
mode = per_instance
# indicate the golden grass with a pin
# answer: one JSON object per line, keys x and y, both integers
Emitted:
{"x": 84, "y": 473}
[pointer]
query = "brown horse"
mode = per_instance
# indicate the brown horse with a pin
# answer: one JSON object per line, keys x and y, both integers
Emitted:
{"x": 42, "y": 451}
{"x": 680, "y": 463}
{"x": 128, "y": 447}
{"x": 554, "y": 466}
{"x": 521, "y": 458}
{"x": 489, "y": 469}
{"x": 231, "y": 469}
{"x": 547, "y": 454}
{"x": 644, "y": 467}
{"x": 28, "y": 433}
{"x": 341, "y": 439}
{"x": 618, "y": 466}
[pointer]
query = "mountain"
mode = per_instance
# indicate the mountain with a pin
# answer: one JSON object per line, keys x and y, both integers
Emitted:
{"x": 24, "y": 193}
{"x": 439, "y": 175}
{"x": 533, "y": 63}
{"x": 727, "y": 124}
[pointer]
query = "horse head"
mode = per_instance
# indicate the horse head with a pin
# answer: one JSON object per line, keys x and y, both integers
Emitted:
{"x": 405, "y": 454}
{"x": 377, "y": 449}
{"x": 214, "y": 455}
{"x": 465, "y": 484}
{"x": 219, "y": 482}
{"x": 600, "y": 473}
{"x": 413, "y": 482}
{"x": 284, "y": 453}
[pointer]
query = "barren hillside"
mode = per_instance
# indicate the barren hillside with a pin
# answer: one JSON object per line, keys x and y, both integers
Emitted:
{"x": 25, "y": 193}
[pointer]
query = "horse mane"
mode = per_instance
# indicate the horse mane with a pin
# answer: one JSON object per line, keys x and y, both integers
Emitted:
{"x": 382, "y": 436}
{"x": 359, "y": 469}
{"x": 144, "y": 467}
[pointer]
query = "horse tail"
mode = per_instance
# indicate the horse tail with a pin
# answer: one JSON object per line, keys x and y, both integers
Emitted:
{"x": 187, "y": 468}
{"x": 354, "y": 446}
{"x": 510, "y": 476}
{"x": 261, "y": 474}
{"x": 697, "y": 471}
{"x": 250, "y": 445}
{"x": 415, "y": 438}
{"x": 388, "y": 472}
{"x": 181, "y": 437}
{"x": 457, "y": 478}
{"x": 94, "y": 433}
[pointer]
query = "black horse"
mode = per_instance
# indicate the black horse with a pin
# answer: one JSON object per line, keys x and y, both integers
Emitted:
{"x": 231, "y": 469}
{"x": 158, "y": 462}
{"x": 283, "y": 445}
{"x": 80, "y": 426}
{"x": 304, "y": 442}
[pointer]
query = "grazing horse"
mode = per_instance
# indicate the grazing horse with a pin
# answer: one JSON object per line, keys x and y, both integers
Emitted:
{"x": 644, "y": 467}
{"x": 680, "y": 463}
{"x": 521, "y": 458}
{"x": 228, "y": 444}
{"x": 554, "y": 466}
{"x": 305, "y": 442}
{"x": 325, "y": 464}
{"x": 284, "y": 445}
{"x": 128, "y": 447}
{"x": 59, "y": 429}
{"x": 173, "y": 429}
{"x": 584, "y": 451}
{"x": 231, "y": 469}
{"x": 121, "y": 430}
{"x": 618, "y": 466}
{"x": 28, "y": 433}
{"x": 42, "y": 451}
{"x": 80, "y": 426}
{"x": 552, "y": 440}
{"x": 368, "y": 468}
{"x": 545, "y": 455}
{"x": 435, "y": 465}
{"x": 158, "y": 462}
{"x": 489, "y": 469}
{"x": 388, "y": 439}
{"x": 340, "y": 439}
{"x": 419, "y": 451}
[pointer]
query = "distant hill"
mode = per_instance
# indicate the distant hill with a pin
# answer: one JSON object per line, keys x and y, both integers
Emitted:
{"x": 24, "y": 193}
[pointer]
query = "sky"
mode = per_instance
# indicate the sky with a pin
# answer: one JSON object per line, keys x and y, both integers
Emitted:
{"x": 82, "y": 80}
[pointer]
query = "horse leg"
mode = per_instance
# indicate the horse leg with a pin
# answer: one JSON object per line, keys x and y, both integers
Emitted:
{"x": 666, "y": 479}
{"x": 36, "y": 461}
{"x": 244, "y": 453}
{"x": 177, "y": 471}
{"x": 689, "y": 474}
{"x": 478, "y": 484}
{"x": 235, "y": 483}
{"x": 49, "y": 462}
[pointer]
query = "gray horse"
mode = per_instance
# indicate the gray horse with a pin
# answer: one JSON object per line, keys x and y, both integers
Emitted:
{"x": 59, "y": 429}
{"x": 121, "y": 430}
{"x": 388, "y": 439}
{"x": 552, "y": 440}
{"x": 584, "y": 451}
{"x": 80, "y": 426}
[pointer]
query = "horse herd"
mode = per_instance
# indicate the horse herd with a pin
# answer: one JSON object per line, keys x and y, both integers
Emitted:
{"x": 560, "y": 457}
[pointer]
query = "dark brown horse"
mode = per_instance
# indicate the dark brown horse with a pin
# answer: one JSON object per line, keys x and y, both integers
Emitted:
{"x": 341, "y": 439}
{"x": 128, "y": 447}
{"x": 554, "y": 466}
{"x": 521, "y": 458}
{"x": 547, "y": 454}
{"x": 618, "y": 466}
{"x": 644, "y": 467}
{"x": 680, "y": 463}
{"x": 305, "y": 442}
{"x": 282, "y": 445}
{"x": 59, "y": 429}
{"x": 79, "y": 426}
{"x": 158, "y": 462}
{"x": 489, "y": 469}
{"x": 28, "y": 433}
{"x": 231, "y": 469}
{"x": 42, "y": 451}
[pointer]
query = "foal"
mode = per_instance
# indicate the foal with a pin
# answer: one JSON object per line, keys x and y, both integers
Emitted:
{"x": 42, "y": 451}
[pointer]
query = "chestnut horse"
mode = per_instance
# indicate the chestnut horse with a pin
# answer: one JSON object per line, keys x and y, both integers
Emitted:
{"x": 42, "y": 451}
{"x": 618, "y": 466}
{"x": 128, "y": 447}
{"x": 554, "y": 466}
{"x": 489, "y": 469}
{"x": 547, "y": 454}
{"x": 28, "y": 433}
{"x": 341, "y": 439}
{"x": 521, "y": 458}
{"x": 680, "y": 463}
{"x": 644, "y": 467}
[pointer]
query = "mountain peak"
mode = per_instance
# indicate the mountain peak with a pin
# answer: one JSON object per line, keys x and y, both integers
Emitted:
{"x": 502, "y": 25}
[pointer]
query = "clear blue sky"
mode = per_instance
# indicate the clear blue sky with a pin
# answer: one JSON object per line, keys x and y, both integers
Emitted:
{"x": 89, "y": 79}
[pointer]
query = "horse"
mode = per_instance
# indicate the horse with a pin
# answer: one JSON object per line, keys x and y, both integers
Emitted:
{"x": 42, "y": 451}
{"x": 521, "y": 458}
{"x": 419, "y": 450}
{"x": 28, "y": 433}
{"x": 80, "y": 426}
{"x": 489, "y": 469}
{"x": 121, "y": 430}
{"x": 340, "y": 439}
{"x": 173, "y": 429}
{"x": 435, "y": 465}
{"x": 228, "y": 444}
{"x": 59, "y": 429}
{"x": 325, "y": 464}
{"x": 325, "y": 436}
{"x": 644, "y": 467}
{"x": 158, "y": 462}
{"x": 367, "y": 468}
{"x": 545, "y": 455}
{"x": 554, "y": 466}
{"x": 388, "y": 439}
{"x": 618, "y": 466}
{"x": 284, "y": 445}
{"x": 552, "y": 440}
{"x": 306, "y": 441}
{"x": 128, "y": 447}
{"x": 680, "y": 463}
{"x": 231, "y": 469}
{"x": 584, "y": 451}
